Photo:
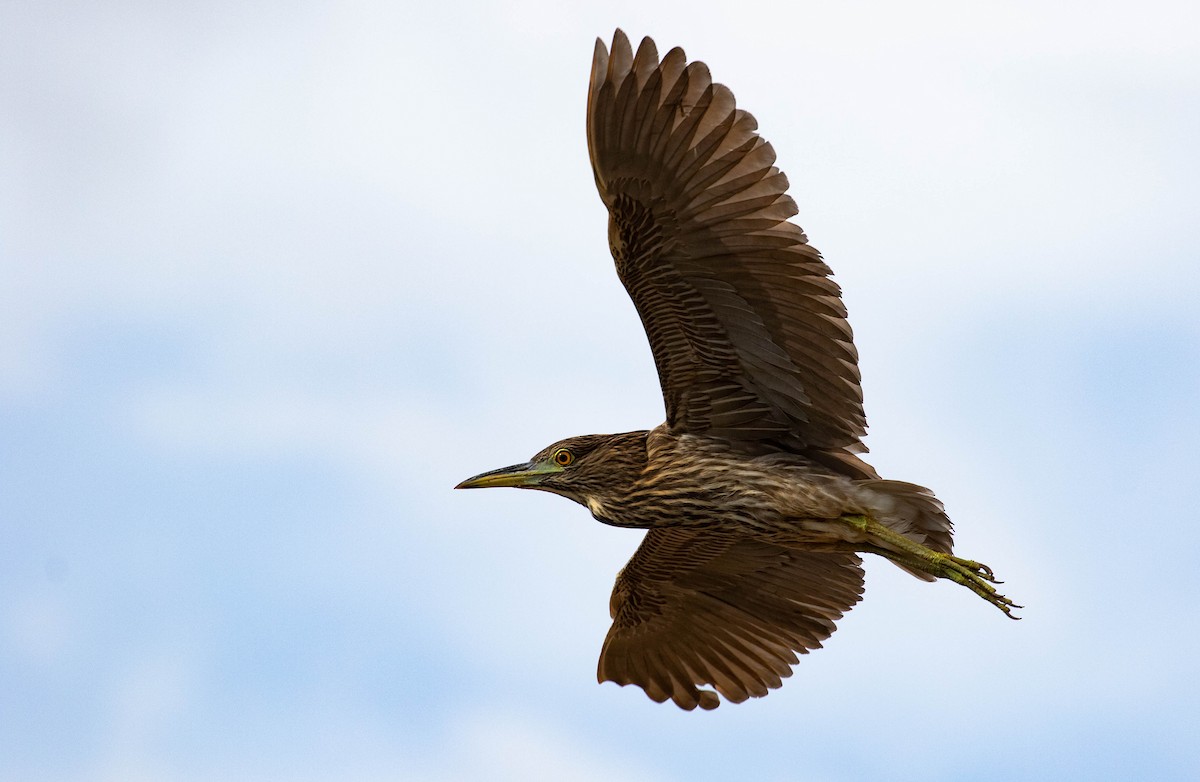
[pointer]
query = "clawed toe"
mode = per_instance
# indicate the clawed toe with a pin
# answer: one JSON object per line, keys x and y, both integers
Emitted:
{"x": 979, "y": 579}
{"x": 978, "y": 568}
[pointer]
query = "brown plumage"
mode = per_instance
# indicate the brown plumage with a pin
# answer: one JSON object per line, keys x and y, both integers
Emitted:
{"x": 756, "y": 502}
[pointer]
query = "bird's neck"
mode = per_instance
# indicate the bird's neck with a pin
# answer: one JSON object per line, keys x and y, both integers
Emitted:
{"x": 610, "y": 500}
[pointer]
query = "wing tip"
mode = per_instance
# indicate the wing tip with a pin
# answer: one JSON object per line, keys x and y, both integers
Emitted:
{"x": 620, "y": 39}
{"x": 599, "y": 66}
{"x": 686, "y": 699}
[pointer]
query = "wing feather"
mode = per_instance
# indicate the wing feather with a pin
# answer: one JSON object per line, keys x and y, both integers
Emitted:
{"x": 747, "y": 329}
{"x": 703, "y": 608}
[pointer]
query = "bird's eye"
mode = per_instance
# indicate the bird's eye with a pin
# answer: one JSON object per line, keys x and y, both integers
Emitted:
{"x": 563, "y": 457}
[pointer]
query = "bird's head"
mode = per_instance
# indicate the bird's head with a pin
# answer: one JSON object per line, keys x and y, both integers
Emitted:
{"x": 589, "y": 469}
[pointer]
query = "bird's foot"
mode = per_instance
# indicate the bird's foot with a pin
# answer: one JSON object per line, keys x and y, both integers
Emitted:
{"x": 976, "y": 576}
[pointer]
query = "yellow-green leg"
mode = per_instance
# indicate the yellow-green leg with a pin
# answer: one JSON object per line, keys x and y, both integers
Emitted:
{"x": 974, "y": 575}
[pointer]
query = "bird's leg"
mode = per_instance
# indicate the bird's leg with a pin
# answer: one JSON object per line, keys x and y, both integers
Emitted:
{"x": 977, "y": 577}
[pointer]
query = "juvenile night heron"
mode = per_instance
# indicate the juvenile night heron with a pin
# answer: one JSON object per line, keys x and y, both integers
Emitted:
{"x": 755, "y": 501}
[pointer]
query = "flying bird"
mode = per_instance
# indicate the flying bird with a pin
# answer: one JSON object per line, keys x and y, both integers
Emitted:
{"x": 753, "y": 494}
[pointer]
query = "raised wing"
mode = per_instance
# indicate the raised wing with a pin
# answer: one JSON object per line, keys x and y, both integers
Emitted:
{"x": 749, "y": 334}
{"x": 702, "y": 608}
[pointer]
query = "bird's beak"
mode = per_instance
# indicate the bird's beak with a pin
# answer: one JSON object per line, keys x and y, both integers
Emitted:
{"x": 523, "y": 476}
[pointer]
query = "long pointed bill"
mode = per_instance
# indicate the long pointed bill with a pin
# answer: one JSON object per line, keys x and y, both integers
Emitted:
{"x": 523, "y": 476}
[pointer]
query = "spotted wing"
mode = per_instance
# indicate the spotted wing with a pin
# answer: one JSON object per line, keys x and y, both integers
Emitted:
{"x": 748, "y": 331}
{"x": 701, "y": 608}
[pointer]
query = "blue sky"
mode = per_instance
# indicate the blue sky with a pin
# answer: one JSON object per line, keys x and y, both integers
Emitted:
{"x": 277, "y": 276}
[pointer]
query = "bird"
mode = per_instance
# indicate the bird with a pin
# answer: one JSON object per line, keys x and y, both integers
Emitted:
{"x": 753, "y": 493}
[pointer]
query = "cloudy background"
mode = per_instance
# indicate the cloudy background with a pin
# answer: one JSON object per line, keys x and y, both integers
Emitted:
{"x": 275, "y": 276}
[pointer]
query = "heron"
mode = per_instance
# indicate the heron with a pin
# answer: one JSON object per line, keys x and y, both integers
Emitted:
{"x": 755, "y": 500}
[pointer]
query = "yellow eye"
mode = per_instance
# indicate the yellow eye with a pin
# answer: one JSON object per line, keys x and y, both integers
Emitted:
{"x": 563, "y": 457}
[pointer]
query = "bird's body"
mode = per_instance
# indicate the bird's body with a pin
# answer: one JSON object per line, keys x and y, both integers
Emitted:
{"x": 753, "y": 494}
{"x": 711, "y": 485}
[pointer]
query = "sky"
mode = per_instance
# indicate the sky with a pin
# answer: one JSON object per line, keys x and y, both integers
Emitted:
{"x": 275, "y": 276}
